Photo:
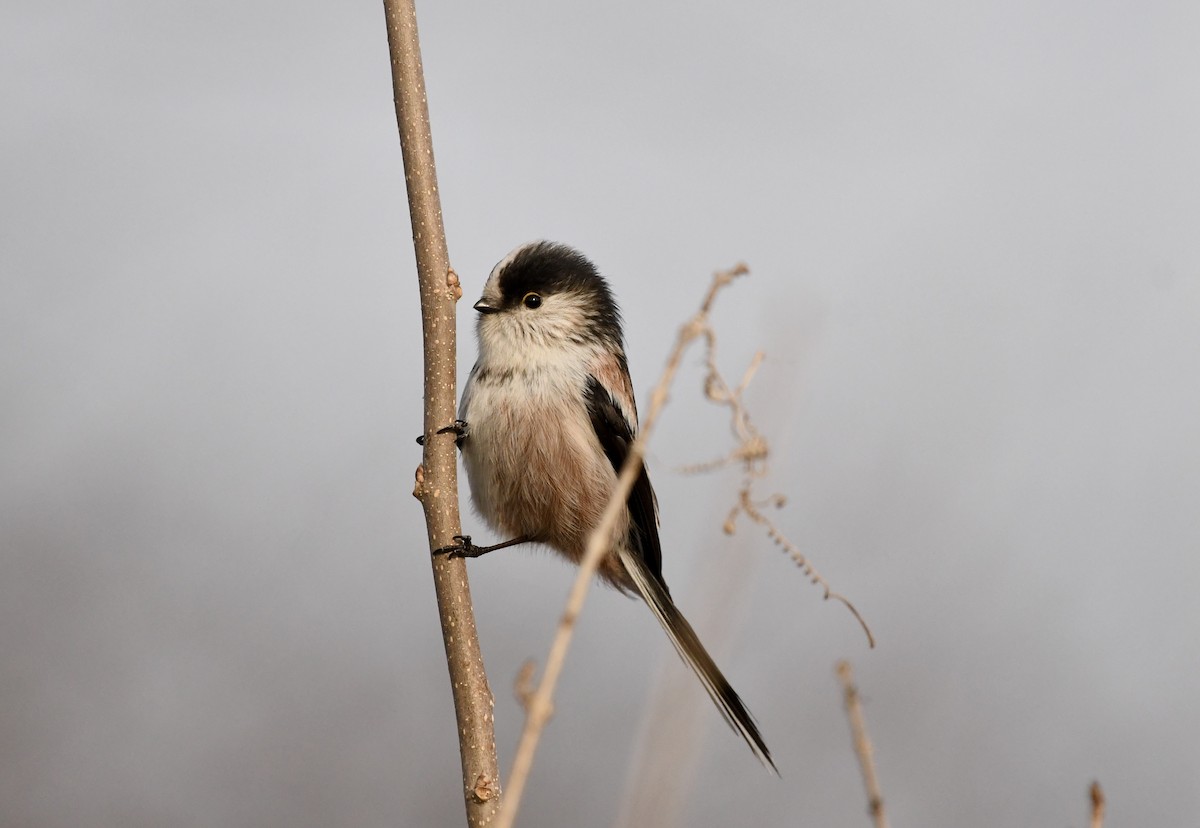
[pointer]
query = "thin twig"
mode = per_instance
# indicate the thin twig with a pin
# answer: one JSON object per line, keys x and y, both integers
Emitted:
{"x": 1097, "y": 797}
{"x": 752, "y": 511}
{"x": 540, "y": 702}
{"x": 751, "y": 452}
{"x": 862, "y": 744}
{"x": 437, "y": 480}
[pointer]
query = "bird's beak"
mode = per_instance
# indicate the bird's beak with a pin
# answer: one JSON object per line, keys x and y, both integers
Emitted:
{"x": 484, "y": 307}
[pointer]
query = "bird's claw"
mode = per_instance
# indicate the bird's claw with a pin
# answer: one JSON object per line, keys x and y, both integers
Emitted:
{"x": 463, "y": 549}
{"x": 459, "y": 428}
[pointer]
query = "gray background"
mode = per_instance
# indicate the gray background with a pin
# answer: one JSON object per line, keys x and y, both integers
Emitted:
{"x": 976, "y": 271}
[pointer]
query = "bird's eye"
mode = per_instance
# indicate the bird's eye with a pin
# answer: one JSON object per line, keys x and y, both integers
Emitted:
{"x": 532, "y": 300}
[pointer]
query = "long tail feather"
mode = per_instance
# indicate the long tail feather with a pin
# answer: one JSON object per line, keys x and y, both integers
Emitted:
{"x": 692, "y": 651}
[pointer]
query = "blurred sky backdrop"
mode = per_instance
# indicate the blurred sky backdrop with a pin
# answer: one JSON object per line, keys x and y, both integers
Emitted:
{"x": 973, "y": 230}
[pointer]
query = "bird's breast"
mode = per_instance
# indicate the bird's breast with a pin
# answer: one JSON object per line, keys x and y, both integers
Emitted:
{"x": 533, "y": 460}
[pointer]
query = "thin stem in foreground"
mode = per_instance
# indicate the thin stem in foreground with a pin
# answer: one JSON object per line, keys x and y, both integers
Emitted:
{"x": 862, "y": 744}
{"x": 437, "y": 478}
{"x": 1096, "y": 794}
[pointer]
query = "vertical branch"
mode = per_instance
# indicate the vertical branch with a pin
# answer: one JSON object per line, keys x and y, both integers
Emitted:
{"x": 437, "y": 479}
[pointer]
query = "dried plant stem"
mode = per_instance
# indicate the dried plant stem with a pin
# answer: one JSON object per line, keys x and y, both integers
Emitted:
{"x": 751, "y": 453}
{"x": 437, "y": 481}
{"x": 862, "y": 744}
{"x": 751, "y": 509}
{"x": 1097, "y": 797}
{"x": 540, "y": 705}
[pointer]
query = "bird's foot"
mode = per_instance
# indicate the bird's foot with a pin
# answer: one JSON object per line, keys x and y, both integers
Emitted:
{"x": 463, "y": 548}
{"x": 459, "y": 428}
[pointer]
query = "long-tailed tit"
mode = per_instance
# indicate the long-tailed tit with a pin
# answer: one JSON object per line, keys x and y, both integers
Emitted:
{"x": 547, "y": 418}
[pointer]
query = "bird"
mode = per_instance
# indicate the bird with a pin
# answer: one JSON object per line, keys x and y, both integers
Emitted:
{"x": 546, "y": 421}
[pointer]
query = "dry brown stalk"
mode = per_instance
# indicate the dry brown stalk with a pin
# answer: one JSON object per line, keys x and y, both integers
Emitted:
{"x": 862, "y": 744}
{"x": 751, "y": 452}
{"x": 1097, "y": 797}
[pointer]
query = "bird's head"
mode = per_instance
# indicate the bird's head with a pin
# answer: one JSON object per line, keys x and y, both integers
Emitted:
{"x": 546, "y": 297}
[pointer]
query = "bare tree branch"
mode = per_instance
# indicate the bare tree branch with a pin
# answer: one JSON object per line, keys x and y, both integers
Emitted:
{"x": 862, "y": 744}
{"x": 437, "y": 478}
{"x": 540, "y": 707}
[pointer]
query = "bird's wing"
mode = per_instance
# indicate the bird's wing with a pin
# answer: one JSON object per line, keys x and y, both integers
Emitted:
{"x": 614, "y": 431}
